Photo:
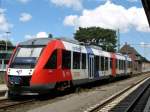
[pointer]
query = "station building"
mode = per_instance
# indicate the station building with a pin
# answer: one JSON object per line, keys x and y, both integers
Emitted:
{"x": 5, "y": 53}
{"x": 140, "y": 63}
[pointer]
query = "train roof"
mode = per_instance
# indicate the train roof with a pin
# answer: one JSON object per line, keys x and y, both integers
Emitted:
{"x": 75, "y": 46}
{"x": 45, "y": 41}
{"x": 36, "y": 41}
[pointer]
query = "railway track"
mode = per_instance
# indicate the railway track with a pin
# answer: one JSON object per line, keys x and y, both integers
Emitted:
{"x": 131, "y": 94}
{"x": 9, "y": 103}
{"x": 4, "y": 103}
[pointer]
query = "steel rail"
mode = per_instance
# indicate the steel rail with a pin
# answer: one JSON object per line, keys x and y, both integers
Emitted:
{"x": 9, "y": 103}
{"x": 97, "y": 107}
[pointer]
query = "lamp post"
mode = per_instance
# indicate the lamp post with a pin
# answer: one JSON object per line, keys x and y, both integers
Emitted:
{"x": 118, "y": 39}
{"x": 7, "y": 35}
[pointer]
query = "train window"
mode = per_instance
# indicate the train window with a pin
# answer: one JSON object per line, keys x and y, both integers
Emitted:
{"x": 102, "y": 63}
{"x": 123, "y": 64}
{"x": 116, "y": 63}
{"x": 97, "y": 63}
{"x": 29, "y": 52}
{"x": 106, "y": 63}
{"x": 83, "y": 61}
{"x": 76, "y": 60}
{"x": 120, "y": 64}
{"x": 52, "y": 61}
{"x": 110, "y": 62}
{"x": 66, "y": 59}
{"x": 129, "y": 64}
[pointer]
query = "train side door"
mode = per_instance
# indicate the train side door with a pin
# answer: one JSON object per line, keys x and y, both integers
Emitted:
{"x": 113, "y": 56}
{"x": 91, "y": 66}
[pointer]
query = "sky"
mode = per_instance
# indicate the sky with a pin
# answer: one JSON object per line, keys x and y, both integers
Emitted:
{"x": 26, "y": 19}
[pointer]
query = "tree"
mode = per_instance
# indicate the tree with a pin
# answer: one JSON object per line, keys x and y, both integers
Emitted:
{"x": 105, "y": 38}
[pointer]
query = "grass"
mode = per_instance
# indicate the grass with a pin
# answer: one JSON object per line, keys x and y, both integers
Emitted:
{"x": 2, "y": 77}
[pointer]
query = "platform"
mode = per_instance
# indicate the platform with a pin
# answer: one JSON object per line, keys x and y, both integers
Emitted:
{"x": 3, "y": 87}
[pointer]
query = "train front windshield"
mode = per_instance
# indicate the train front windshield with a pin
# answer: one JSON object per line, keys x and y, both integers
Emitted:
{"x": 26, "y": 57}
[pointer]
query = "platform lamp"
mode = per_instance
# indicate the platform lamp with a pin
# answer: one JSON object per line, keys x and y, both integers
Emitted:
{"x": 7, "y": 35}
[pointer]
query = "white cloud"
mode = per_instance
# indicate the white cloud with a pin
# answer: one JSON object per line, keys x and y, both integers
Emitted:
{"x": 42, "y": 35}
{"x": 25, "y": 17}
{"x": 75, "y": 4}
{"x": 4, "y": 25}
{"x": 111, "y": 16}
{"x": 24, "y": 1}
{"x": 71, "y": 20}
{"x": 38, "y": 35}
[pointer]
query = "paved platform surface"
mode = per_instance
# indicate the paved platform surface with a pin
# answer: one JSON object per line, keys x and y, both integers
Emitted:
{"x": 80, "y": 102}
{"x": 3, "y": 91}
{"x": 3, "y": 87}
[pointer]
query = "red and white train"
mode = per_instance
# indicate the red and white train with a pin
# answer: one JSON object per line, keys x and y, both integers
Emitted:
{"x": 42, "y": 64}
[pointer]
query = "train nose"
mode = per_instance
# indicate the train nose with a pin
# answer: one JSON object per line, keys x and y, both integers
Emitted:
{"x": 30, "y": 72}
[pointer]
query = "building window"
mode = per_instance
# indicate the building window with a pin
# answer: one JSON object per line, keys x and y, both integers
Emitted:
{"x": 52, "y": 61}
{"x": 66, "y": 59}
{"x": 6, "y": 62}
{"x": 76, "y": 60}
{"x": 83, "y": 61}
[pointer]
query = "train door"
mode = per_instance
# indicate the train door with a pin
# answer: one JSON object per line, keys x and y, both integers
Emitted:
{"x": 113, "y": 56}
{"x": 91, "y": 66}
{"x": 125, "y": 64}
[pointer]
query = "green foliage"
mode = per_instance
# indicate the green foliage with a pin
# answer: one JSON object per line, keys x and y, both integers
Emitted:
{"x": 106, "y": 38}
